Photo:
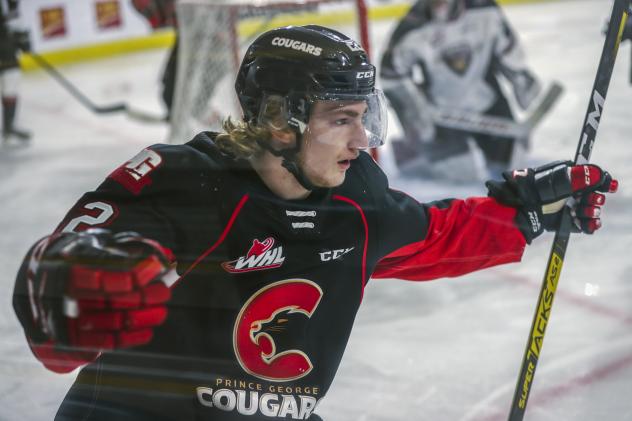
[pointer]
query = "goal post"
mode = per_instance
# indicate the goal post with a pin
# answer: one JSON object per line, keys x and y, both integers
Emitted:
{"x": 212, "y": 37}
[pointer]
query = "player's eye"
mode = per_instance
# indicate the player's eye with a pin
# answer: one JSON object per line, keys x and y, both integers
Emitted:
{"x": 365, "y": 117}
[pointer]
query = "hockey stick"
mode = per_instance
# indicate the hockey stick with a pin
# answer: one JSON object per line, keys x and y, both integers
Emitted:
{"x": 86, "y": 102}
{"x": 629, "y": 37}
{"x": 560, "y": 243}
{"x": 498, "y": 126}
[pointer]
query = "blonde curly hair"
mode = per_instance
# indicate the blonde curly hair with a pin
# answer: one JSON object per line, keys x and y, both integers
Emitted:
{"x": 245, "y": 139}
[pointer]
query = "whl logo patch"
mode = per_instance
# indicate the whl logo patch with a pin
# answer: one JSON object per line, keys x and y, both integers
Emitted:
{"x": 261, "y": 255}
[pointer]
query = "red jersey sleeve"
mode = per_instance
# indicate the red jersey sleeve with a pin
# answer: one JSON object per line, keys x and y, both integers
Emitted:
{"x": 465, "y": 236}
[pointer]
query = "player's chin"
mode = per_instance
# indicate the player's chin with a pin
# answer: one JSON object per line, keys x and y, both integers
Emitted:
{"x": 339, "y": 179}
{"x": 332, "y": 180}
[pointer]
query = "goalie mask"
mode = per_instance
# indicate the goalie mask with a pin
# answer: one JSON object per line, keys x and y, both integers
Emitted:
{"x": 291, "y": 68}
{"x": 445, "y": 10}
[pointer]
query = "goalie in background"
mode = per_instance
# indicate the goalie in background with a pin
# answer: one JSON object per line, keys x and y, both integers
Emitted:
{"x": 451, "y": 55}
{"x": 12, "y": 40}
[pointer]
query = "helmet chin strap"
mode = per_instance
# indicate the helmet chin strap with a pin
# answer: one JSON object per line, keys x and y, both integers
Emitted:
{"x": 290, "y": 161}
{"x": 292, "y": 166}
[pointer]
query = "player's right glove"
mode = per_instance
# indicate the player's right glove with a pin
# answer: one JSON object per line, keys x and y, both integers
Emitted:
{"x": 540, "y": 195}
{"x": 93, "y": 290}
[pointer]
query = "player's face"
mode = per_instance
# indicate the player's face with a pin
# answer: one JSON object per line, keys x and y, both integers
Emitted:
{"x": 333, "y": 138}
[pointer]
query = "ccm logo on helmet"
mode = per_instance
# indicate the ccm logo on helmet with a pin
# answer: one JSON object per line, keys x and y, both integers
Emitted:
{"x": 297, "y": 45}
{"x": 365, "y": 75}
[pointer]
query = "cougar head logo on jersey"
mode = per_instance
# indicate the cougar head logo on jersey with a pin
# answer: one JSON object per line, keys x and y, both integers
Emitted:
{"x": 268, "y": 332}
{"x": 284, "y": 330}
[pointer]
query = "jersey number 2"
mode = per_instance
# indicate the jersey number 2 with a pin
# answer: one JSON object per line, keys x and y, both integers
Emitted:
{"x": 104, "y": 212}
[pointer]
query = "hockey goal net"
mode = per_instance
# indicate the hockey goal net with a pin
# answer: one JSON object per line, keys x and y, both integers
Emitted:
{"x": 213, "y": 35}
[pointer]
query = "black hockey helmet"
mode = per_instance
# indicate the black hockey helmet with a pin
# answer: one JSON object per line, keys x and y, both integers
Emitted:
{"x": 303, "y": 64}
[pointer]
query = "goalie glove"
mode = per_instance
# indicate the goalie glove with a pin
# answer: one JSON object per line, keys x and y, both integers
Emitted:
{"x": 540, "y": 195}
{"x": 93, "y": 290}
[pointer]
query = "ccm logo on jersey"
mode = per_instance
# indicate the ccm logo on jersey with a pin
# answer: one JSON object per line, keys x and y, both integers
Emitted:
{"x": 326, "y": 256}
{"x": 297, "y": 45}
{"x": 134, "y": 174}
{"x": 260, "y": 256}
{"x": 365, "y": 75}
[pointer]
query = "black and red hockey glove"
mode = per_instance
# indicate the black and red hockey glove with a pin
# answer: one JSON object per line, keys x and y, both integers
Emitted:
{"x": 93, "y": 290}
{"x": 540, "y": 195}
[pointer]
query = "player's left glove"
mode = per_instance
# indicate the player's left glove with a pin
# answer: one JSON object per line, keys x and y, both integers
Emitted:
{"x": 540, "y": 195}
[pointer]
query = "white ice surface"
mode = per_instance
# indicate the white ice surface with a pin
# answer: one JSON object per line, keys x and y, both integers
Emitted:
{"x": 443, "y": 350}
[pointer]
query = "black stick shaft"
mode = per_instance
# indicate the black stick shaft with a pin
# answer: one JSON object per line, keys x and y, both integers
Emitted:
{"x": 72, "y": 89}
{"x": 630, "y": 62}
{"x": 558, "y": 250}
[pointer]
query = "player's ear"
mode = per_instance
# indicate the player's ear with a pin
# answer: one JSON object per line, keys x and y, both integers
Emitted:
{"x": 282, "y": 139}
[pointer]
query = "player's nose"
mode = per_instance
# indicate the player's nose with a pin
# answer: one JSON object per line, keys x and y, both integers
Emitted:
{"x": 359, "y": 138}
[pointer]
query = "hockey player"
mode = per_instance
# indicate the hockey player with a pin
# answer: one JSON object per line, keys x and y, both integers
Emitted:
{"x": 161, "y": 14}
{"x": 220, "y": 279}
{"x": 451, "y": 55}
{"x": 12, "y": 40}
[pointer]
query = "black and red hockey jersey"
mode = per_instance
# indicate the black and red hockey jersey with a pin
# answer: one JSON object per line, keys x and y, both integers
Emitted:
{"x": 268, "y": 288}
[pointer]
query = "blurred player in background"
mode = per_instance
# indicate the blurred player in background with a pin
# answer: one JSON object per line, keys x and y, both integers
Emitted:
{"x": 627, "y": 30}
{"x": 454, "y": 55}
{"x": 12, "y": 40}
{"x": 162, "y": 14}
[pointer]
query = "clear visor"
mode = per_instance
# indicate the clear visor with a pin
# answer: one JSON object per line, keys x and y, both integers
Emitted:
{"x": 357, "y": 121}
{"x": 360, "y": 121}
